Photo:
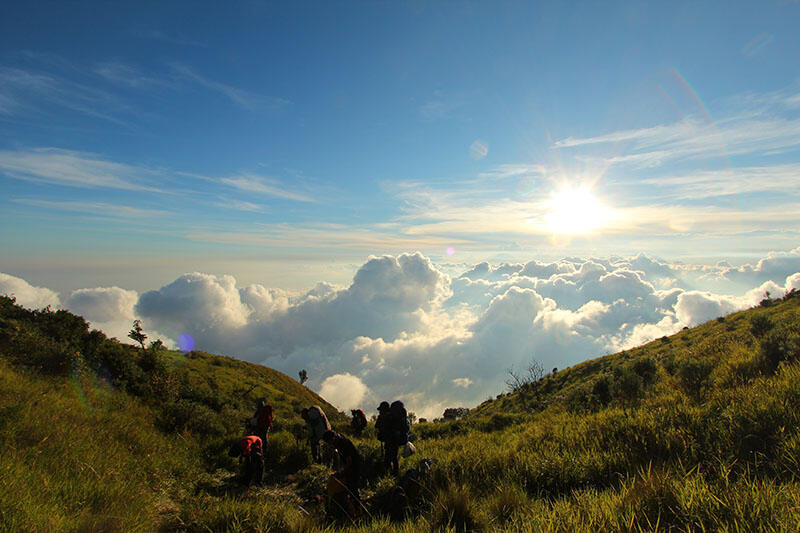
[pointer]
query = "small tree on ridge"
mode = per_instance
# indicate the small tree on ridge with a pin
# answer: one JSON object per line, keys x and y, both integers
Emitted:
{"x": 137, "y": 333}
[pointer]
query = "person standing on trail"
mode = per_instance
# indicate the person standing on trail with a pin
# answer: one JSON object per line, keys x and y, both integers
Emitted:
{"x": 385, "y": 433}
{"x": 350, "y": 473}
{"x": 262, "y": 421}
{"x": 316, "y": 426}
{"x": 359, "y": 421}
{"x": 250, "y": 449}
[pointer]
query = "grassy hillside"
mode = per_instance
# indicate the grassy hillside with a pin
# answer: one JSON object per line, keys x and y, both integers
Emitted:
{"x": 100, "y": 435}
{"x": 697, "y": 431}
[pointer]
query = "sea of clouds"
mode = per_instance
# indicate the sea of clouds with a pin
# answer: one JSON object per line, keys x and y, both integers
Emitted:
{"x": 406, "y": 329}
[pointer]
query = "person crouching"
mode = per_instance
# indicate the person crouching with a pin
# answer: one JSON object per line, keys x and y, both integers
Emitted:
{"x": 251, "y": 450}
{"x": 351, "y": 461}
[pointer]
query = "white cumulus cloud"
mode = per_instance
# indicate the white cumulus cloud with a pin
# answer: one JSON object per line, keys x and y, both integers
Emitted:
{"x": 109, "y": 309}
{"x": 345, "y": 391}
{"x": 26, "y": 294}
{"x": 403, "y": 329}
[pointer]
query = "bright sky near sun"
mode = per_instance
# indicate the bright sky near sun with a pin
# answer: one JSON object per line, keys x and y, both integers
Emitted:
{"x": 284, "y": 143}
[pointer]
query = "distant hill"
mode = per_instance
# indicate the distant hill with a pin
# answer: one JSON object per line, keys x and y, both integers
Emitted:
{"x": 696, "y": 431}
{"x": 732, "y": 350}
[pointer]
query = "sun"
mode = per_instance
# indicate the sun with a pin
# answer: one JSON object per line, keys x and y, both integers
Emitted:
{"x": 575, "y": 211}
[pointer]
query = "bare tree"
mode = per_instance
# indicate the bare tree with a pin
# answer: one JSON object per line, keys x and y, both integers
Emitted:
{"x": 517, "y": 380}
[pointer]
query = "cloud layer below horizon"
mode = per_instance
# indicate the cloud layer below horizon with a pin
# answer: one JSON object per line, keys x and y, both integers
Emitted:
{"x": 406, "y": 329}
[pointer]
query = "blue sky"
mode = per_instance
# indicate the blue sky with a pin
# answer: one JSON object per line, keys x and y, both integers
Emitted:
{"x": 272, "y": 148}
{"x": 306, "y": 135}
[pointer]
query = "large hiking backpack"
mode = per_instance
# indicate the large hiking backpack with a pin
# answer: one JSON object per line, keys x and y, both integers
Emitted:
{"x": 400, "y": 426}
{"x": 359, "y": 419}
{"x": 264, "y": 417}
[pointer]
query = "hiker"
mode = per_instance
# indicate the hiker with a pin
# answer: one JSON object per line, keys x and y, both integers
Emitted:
{"x": 400, "y": 425}
{"x": 359, "y": 421}
{"x": 262, "y": 421}
{"x": 316, "y": 426}
{"x": 250, "y": 449}
{"x": 393, "y": 430}
{"x": 350, "y": 460}
{"x": 383, "y": 432}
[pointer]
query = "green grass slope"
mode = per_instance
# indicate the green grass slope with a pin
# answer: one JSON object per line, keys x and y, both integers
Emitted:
{"x": 96, "y": 435}
{"x": 699, "y": 431}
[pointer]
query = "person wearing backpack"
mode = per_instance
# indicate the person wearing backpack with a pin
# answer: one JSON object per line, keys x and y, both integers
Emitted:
{"x": 262, "y": 421}
{"x": 316, "y": 426}
{"x": 383, "y": 429}
{"x": 400, "y": 426}
{"x": 250, "y": 449}
{"x": 359, "y": 421}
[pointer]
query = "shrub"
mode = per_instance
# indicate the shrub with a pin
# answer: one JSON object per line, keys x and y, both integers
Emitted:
{"x": 759, "y": 325}
{"x": 187, "y": 415}
{"x": 693, "y": 375}
{"x": 646, "y": 369}
{"x": 578, "y": 400}
{"x": 601, "y": 390}
{"x": 627, "y": 385}
{"x": 499, "y": 421}
{"x": 454, "y": 413}
{"x": 456, "y": 509}
{"x": 777, "y": 346}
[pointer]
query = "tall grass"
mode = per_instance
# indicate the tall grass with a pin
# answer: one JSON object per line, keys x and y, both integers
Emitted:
{"x": 84, "y": 460}
{"x": 699, "y": 432}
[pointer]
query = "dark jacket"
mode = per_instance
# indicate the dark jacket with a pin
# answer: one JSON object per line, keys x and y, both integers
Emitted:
{"x": 383, "y": 426}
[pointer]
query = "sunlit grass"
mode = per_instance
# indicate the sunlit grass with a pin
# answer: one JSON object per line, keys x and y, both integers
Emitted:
{"x": 694, "y": 447}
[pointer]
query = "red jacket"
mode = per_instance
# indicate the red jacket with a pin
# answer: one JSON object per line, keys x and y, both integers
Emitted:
{"x": 249, "y": 444}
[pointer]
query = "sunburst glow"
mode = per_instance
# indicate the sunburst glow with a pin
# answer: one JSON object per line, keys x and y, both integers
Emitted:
{"x": 575, "y": 211}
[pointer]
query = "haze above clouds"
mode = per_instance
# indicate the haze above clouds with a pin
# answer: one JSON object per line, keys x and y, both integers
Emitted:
{"x": 405, "y": 329}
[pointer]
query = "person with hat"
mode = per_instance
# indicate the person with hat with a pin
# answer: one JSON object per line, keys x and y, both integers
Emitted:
{"x": 383, "y": 429}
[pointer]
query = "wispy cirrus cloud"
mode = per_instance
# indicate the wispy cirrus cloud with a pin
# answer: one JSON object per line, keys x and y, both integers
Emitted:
{"x": 254, "y": 183}
{"x": 238, "y": 205}
{"x": 129, "y": 76}
{"x": 757, "y": 127}
{"x": 514, "y": 170}
{"x": 704, "y": 184}
{"x": 325, "y": 237}
{"x": 94, "y": 208}
{"x": 75, "y": 169}
{"x": 241, "y": 97}
{"x": 443, "y": 105}
{"x": 30, "y": 90}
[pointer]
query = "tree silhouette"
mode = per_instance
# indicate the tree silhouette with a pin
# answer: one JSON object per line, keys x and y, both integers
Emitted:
{"x": 137, "y": 334}
{"x": 303, "y": 376}
{"x": 518, "y": 380}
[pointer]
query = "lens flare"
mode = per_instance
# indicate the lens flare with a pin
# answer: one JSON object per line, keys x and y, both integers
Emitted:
{"x": 185, "y": 342}
{"x": 478, "y": 150}
{"x": 79, "y": 381}
{"x": 450, "y": 251}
